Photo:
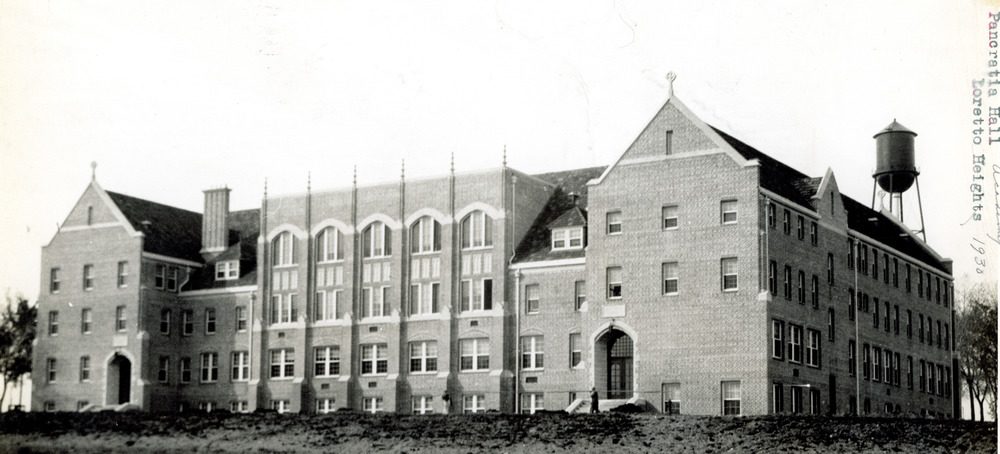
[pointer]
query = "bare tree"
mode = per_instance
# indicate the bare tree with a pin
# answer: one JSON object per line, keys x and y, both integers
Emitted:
{"x": 976, "y": 336}
{"x": 17, "y": 331}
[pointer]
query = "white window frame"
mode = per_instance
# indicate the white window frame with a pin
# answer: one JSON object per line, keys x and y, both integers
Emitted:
{"x": 614, "y": 282}
{"x": 184, "y": 369}
{"x": 730, "y": 268}
{"x": 54, "y": 281}
{"x": 240, "y": 314}
{"x": 240, "y": 370}
{"x": 228, "y": 270}
{"x": 575, "y": 350}
{"x": 51, "y": 370}
{"x": 669, "y": 271}
{"x": 728, "y": 212}
{"x": 532, "y": 402}
{"x": 567, "y": 238}
{"x": 88, "y": 277}
{"x": 424, "y": 354}
{"x": 326, "y": 361}
{"x": 614, "y": 222}
{"x": 669, "y": 217}
{"x": 281, "y": 406}
{"x": 476, "y": 231}
{"x": 284, "y": 360}
{"x": 122, "y": 274}
{"x": 160, "y": 276}
{"x": 423, "y": 233}
{"x": 328, "y": 245}
{"x": 671, "y": 395}
{"x": 473, "y": 295}
{"x": 325, "y": 405}
{"x": 425, "y": 298}
{"x": 370, "y": 303}
{"x": 209, "y": 367}
{"x": 734, "y": 393}
{"x": 532, "y": 299}
{"x": 53, "y": 323}
{"x": 211, "y": 321}
{"x": 474, "y": 403}
{"x": 85, "y": 368}
{"x": 325, "y": 305}
{"x": 239, "y": 406}
{"x": 283, "y": 249}
{"x": 478, "y": 348}
{"x": 423, "y": 405}
{"x": 372, "y": 404}
{"x": 172, "y": 277}
{"x": 166, "y": 315}
{"x": 284, "y": 307}
{"x": 778, "y": 339}
{"x": 374, "y": 357}
{"x": 795, "y": 338}
{"x": 86, "y": 320}
{"x": 813, "y": 348}
{"x": 579, "y": 294}
{"x": 532, "y": 353}
{"x": 187, "y": 322}
{"x": 121, "y": 319}
{"x": 376, "y": 241}
{"x": 163, "y": 374}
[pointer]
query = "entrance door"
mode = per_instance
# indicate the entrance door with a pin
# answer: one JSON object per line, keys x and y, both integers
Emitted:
{"x": 620, "y": 367}
{"x": 119, "y": 380}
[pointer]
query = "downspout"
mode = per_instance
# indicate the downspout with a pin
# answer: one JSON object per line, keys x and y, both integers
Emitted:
{"x": 517, "y": 298}
{"x": 857, "y": 330}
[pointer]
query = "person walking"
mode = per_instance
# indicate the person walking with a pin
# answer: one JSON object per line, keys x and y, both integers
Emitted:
{"x": 594, "y": 400}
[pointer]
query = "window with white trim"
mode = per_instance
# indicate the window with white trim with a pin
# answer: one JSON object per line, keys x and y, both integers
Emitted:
{"x": 121, "y": 323}
{"x": 579, "y": 294}
{"x": 122, "y": 274}
{"x": 209, "y": 321}
{"x": 477, "y": 230}
{"x": 532, "y": 402}
{"x": 281, "y": 406}
{"x": 159, "y": 276}
{"x": 532, "y": 352}
{"x": 424, "y": 298}
{"x": 614, "y": 280}
{"x": 672, "y": 398}
{"x": 728, "y": 210}
{"x": 85, "y": 368}
{"x": 241, "y": 366}
{"x": 227, "y": 270}
{"x": 53, "y": 323}
{"x": 423, "y": 356}
{"x": 325, "y": 405}
{"x": 283, "y": 308}
{"x": 669, "y": 272}
{"x": 374, "y": 359}
{"x": 531, "y": 299}
{"x": 372, "y": 404}
{"x": 575, "y": 350}
{"x": 812, "y": 348}
{"x": 172, "y": 274}
{"x": 567, "y": 238}
{"x": 477, "y": 294}
{"x": 326, "y": 361}
{"x": 283, "y": 249}
{"x": 474, "y": 403}
{"x": 241, "y": 318}
{"x": 209, "y": 367}
{"x": 325, "y": 305}
{"x": 669, "y": 216}
{"x": 165, "y": 316}
{"x": 54, "y": 280}
{"x": 282, "y": 363}
{"x": 329, "y": 247}
{"x": 187, "y": 322}
{"x": 184, "y": 369}
{"x": 614, "y": 221}
{"x": 163, "y": 373}
{"x": 50, "y": 369}
{"x": 731, "y": 397}
{"x": 778, "y": 339}
{"x": 425, "y": 235}
{"x": 730, "y": 281}
{"x": 376, "y": 240}
{"x": 423, "y": 405}
{"x": 373, "y": 301}
{"x": 474, "y": 354}
{"x": 794, "y": 343}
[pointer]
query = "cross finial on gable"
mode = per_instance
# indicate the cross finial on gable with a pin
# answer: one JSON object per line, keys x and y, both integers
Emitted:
{"x": 93, "y": 170}
{"x": 671, "y": 77}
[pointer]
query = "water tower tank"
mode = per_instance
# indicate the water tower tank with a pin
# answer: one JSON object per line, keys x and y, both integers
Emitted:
{"x": 895, "y": 166}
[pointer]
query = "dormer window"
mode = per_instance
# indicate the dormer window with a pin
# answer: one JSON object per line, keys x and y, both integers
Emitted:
{"x": 567, "y": 238}
{"x": 227, "y": 271}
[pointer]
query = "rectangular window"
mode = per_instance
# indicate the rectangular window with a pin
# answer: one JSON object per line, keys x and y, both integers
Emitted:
{"x": 423, "y": 356}
{"x": 909, "y": 324}
{"x": 53, "y": 323}
{"x": 922, "y": 380}
{"x": 50, "y": 369}
{"x": 877, "y": 363}
{"x": 209, "y": 367}
{"x": 160, "y": 276}
{"x": 477, "y": 295}
{"x": 614, "y": 222}
{"x": 325, "y": 305}
{"x": 874, "y": 263}
{"x": 241, "y": 318}
{"x": 920, "y": 333}
{"x": 326, "y": 361}
{"x": 875, "y": 315}
{"x": 802, "y": 287}
{"x": 282, "y": 363}
{"x": 165, "y": 315}
{"x": 281, "y": 406}
{"x": 885, "y": 268}
{"x": 423, "y": 405}
{"x": 209, "y": 321}
{"x": 772, "y": 277}
{"x": 185, "y": 370}
{"x": 788, "y": 283}
{"x": 830, "y": 324}
{"x": 731, "y": 396}
{"x": 800, "y": 229}
{"x": 786, "y": 222}
{"x": 227, "y": 270}
{"x": 324, "y": 406}
{"x": 895, "y": 272}
{"x": 672, "y": 398}
{"x": 777, "y": 398}
{"x": 531, "y": 304}
{"x": 852, "y": 359}
{"x": 163, "y": 374}
{"x": 864, "y": 259}
{"x": 84, "y": 368}
{"x": 614, "y": 279}
{"x": 730, "y": 282}
{"x": 374, "y": 359}
{"x": 851, "y": 304}
{"x": 895, "y": 319}
{"x": 728, "y": 209}
{"x": 532, "y": 402}
{"x": 172, "y": 279}
{"x": 777, "y": 339}
{"x": 475, "y": 403}
{"x": 850, "y": 254}
{"x": 372, "y": 404}
{"x": 241, "y": 367}
{"x": 424, "y": 298}
{"x": 668, "y": 143}
{"x": 813, "y": 348}
{"x": 794, "y": 343}
{"x": 120, "y": 320}
{"x": 829, "y": 269}
{"x": 187, "y": 322}
{"x": 86, "y": 320}
{"x": 532, "y": 352}
{"x": 567, "y": 238}
{"x": 122, "y": 274}
{"x": 669, "y": 272}
{"x": 669, "y": 213}
{"x": 866, "y": 361}
{"x": 284, "y": 310}
{"x": 886, "y": 317}
{"x": 54, "y": 280}
{"x": 771, "y": 221}
{"x": 575, "y": 350}
{"x": 477, "y": 231}
{"x": 88, "y": 277}
{"x": 474, "y": 354}
{"x": 579, "y": 294}
{"x": 814, "y": 292}
{"x": 813, "y": 233}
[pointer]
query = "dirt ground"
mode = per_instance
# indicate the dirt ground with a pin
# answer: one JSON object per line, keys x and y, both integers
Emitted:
{"x": 360, "y": 433}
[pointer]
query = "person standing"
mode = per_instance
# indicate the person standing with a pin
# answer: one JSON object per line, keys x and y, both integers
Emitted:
{"x": 593, "y": 400}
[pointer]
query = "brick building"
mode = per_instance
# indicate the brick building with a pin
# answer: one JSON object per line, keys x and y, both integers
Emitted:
{"x": 694, "y": 275}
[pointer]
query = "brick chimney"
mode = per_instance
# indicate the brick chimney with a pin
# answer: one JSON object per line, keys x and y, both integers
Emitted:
{"x": 215, "y": 222}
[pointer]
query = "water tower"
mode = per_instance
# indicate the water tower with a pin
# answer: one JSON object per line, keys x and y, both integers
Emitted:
{"x": 896, "y": 169}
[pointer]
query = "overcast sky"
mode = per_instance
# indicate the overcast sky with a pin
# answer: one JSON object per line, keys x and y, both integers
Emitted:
{"x": 174, "y": 97}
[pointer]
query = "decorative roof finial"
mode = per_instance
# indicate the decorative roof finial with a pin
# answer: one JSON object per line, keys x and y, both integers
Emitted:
{"x": 93, "y": 170}
{"x": 453, "y": 163}
{"x": 402, "y": 169}
{"x": 671, "y": 77}
{"x": 309, "y": 183}
{"x": 505, "y": 155}
{"x": 354, "y": 181}
{"x": 265, "y": 188}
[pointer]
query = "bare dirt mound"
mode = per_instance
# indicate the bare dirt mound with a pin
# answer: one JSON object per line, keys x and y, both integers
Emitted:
{"x": 354, "y": 432}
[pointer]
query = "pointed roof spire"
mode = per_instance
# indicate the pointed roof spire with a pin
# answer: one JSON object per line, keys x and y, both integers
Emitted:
{"x": 402, "y": 169}
{"x": 265, "y": 188}
{"x": 93, "y": 170}
{"x": 505, "y": 155}
{"x": 671, "y": 77}
{"x": 354, "y": 181}
{"x": 452, "y": 170}
{"x": 309, "y": 181}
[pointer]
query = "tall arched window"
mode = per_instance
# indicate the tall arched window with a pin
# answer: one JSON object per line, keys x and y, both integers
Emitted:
{"x": 283, "y": 249}
{"x": 328, "y": 245}
{"x": 425, "y": 235}
{"x": 477, "y": 230}
{"x": 377, "y": 240}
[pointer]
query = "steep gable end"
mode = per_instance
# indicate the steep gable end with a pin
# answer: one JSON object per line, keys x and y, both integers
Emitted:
{"x": 91, "y": 209}
{"x": 828, "y": 203}
{"x": 669, "y": 124}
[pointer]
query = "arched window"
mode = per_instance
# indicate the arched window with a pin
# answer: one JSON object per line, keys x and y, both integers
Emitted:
{"x": 328, "y": 245}
{"x": 283, "y": 249}
{"x": 425, "y": 235}
{"x": 377, "y": 240}
{"x": 477, "y": 230}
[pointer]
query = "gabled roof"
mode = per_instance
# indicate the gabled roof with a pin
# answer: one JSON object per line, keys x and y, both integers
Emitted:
{"x": 244, "y": 228}
{"x": 888, "y": 231}
{"x": 559, "y": 211}
{"x": 168, "y": 230}
{"x": 775, "y": 175}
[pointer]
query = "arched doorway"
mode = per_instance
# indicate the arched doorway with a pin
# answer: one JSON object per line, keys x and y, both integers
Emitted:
{"x": 119, "y": 380}
{"x": 615, "y": 350}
